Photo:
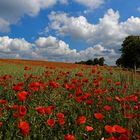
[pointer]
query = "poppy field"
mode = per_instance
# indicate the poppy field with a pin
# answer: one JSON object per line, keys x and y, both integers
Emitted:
{"x": 61, "y": 101}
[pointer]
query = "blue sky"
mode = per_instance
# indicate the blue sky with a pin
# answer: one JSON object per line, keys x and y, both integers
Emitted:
{"x": 66, "y": 30}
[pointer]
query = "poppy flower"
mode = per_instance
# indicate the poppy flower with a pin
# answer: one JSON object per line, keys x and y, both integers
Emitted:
{"x": 107, "y": 108}
{"x": 40, "y": 110}
{"x": 51, "y": 122}
{"x": 118, "y": 129}
{"x": 24, "y": 127}
{"x": 99, "y": 116}
{"x": 1, "y": 123}
{"x": 22, "y": 96}
{"x": 69, "y": 137}
{"x": 89, "y": 128}
{"x": 61, "y": 121}
{"x": 81, "y": 120}
{"x": 108, "y": 129}
{"x": 49, "y": 109}
{"x": 60, "y": 115}
{"x": 3, "y": 101}
{"x": 22, "y": 111}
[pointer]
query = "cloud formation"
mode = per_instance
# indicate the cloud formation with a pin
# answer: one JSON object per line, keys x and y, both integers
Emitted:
{"x": 51, "y": 48}
{"x": 108, "y": 32}
{"x": 11, "y": 11}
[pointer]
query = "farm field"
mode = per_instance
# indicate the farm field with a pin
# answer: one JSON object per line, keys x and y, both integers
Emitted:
{"x": 41, "y": 100}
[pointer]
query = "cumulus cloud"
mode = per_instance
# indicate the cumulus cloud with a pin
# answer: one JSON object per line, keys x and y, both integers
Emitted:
{"x": 11, "y": 11}
{"x": 108, "y": 32}
{"x": 92, "y": 4}
{"x": 51, "y": 48}
{"x": 14, "y": 47}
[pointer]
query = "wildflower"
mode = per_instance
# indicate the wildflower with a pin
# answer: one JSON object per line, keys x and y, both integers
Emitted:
{"x": 24, "y": 127}
{"x": 22, "y": 96}
{"x": 51, "y": 122}
{"x": 69, "y": 137}
{"x": 89, "y": 128}
{"x": 81, "y": 120}
{"x": 99, "y": 116}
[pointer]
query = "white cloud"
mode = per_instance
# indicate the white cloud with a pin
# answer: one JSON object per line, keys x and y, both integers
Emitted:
{"x": 11, "y": 11}
{"x": 92, "y": 4}
{"x": 14, "y": 47}
{"x": 51, "y": 48}
{"x": 108, "y": 32}
{"x": 57, "y": 50}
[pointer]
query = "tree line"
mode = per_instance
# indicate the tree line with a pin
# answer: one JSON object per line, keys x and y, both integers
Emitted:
{"x": 95, "y": 61}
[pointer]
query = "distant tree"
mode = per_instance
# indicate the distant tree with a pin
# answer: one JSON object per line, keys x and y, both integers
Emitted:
{"x": 101, "y": 61}
{"x": 96, "y": 61}
{"x": 130, "y": 57}
{"x": 89, "y": 62}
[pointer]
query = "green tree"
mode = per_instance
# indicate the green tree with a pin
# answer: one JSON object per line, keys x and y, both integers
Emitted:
{"x": 101, "y": 61}
{"x": 130, "y": 57}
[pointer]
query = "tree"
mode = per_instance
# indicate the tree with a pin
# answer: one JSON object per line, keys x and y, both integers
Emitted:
{"x": 130, "y": 57}
{"x": 101, "y": 61}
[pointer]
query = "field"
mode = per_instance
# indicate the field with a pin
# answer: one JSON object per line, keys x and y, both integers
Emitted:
{"x": 61, "y": 101}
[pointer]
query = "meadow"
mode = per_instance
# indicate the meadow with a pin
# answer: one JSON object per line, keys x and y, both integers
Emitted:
{"x": 61, "y": 101}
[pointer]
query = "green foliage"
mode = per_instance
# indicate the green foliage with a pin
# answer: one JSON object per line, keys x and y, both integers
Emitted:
{"x": 95, "y": 61}
{"x": 130, "y": 52}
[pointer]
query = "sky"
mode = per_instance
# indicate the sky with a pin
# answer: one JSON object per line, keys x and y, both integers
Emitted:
{"x": 66, "y": 30}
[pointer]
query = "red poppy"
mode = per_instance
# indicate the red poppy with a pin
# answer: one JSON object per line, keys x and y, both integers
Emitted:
{"x": 1, "y": 123}
{"x": 107, "y": 108}
{"x": 40, "y": 110}
{"x": 22, "y": 96}
{"x": 51, "y": 122}
{"x": 81, "y": 120}
{"x": 3, "y": 101}
{"x": 124, "y": 137}
{"x": 24, "y": 127}
{"x": 99, "y": 116}
{"x": 69, "y": 137}
{"x": 118, "y": 129}
{"x": 49, "y": 109}
{"x": 61, "y": 121}
{"x": 89, "y": 128}
{"x": 22, "y": 111}
{"x": 108, "y": 129}
{"x": 60, "y": 115}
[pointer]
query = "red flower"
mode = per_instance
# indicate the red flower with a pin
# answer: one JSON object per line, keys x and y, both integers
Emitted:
{"x": 81, "y": 120}
{"x": 108, "y": 129}
{"x": 107, "y": 108}
{"x": 49, "y": 109}
{"x": 60, "y": 115}
{"x": 89, "y": 128}
{"x": 22, "y": 111}
{"x": 3, "y": 101}
{"x": 22, "y": 96}
{"x": 17, "y": 88}
{"x": 61, "y": 121}
{"x": 1, "y": 123}
{"x": 24, "y": 127}
{"x": 99, "y": 116}
{"x": 51, "y": 122}
{"x": 41, "y": 110}
{"x": 69, "y": 137}
{"x": 118, "y": 129}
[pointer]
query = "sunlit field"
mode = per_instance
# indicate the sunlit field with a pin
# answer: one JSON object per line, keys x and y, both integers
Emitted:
{"x": 61, "y": 101}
